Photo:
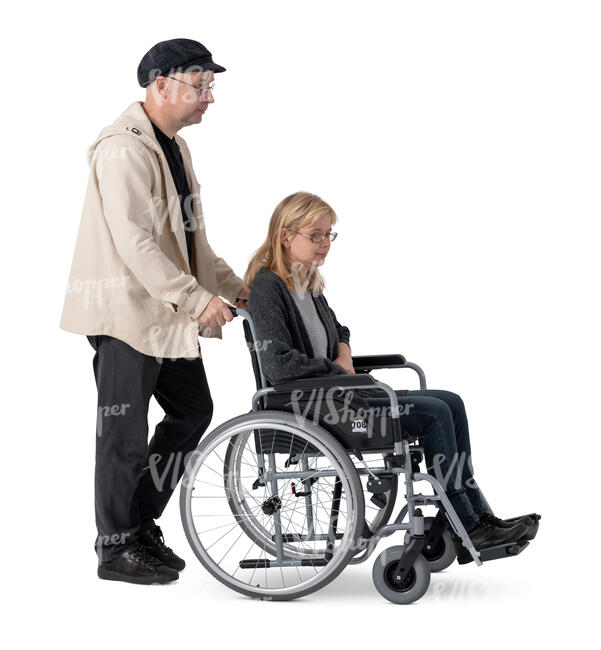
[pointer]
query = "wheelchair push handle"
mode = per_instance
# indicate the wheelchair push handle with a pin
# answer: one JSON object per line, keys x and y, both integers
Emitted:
{"x": 233, "y": 310}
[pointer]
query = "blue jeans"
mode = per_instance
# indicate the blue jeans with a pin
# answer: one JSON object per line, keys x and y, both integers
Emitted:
{"x": 438, "y": 417}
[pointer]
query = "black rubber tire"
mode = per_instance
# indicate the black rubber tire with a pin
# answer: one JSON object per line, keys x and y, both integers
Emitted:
{"x": 412, "y": 588}
{"x": 443, "y": 554}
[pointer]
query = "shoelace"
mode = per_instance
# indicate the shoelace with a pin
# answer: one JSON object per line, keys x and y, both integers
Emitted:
{"x": 157, "y": 535}
{"x": 487, "y": 518}
{"x": 141, "y": 555}
{"x": 485, "y": 522}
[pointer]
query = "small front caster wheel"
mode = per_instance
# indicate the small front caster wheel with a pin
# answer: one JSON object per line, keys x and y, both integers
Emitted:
{"x": 407, "y": 590}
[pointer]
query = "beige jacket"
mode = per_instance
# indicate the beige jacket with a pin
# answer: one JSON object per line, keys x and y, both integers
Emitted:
{"x": 130, "y": 276}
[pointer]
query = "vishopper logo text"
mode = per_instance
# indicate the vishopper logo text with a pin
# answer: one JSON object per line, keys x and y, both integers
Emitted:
{"x": 461, "y": 590}
{"x": 174, "y": 465}
{"x": 324, "y": 406}
{"x": 458, "y": 465}
{"x": 162, "y": 339}
{"x": 257, "y": 346}
{"x": 114, "y": 538}
{"x": 164, "y": 210}
{"x": 302, "y": 286}
{"x": 93, "y": 290}
{"x": 160, "y": 210}
{"x": 188, "y": 95}
{"x": 101, "y": 155}
{"x": 111, "y": 410}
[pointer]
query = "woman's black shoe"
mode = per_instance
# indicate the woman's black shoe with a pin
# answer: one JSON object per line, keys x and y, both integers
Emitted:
{"x": 137, "y": 564}
{"x": 531, "y": 521}
{"x": 485, "y": 535}
{"x": 153, "y": 538}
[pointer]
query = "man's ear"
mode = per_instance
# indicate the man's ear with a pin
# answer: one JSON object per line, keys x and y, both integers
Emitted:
{"x": 162, "y": 86}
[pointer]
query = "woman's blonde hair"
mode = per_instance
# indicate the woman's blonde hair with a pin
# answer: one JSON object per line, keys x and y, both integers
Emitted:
{"x": 296, "y": 211}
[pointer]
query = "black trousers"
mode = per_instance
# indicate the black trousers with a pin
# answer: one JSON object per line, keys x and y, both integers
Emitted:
{"x": 134, "y": 479}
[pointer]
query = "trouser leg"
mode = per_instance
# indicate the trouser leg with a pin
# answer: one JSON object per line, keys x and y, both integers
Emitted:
{"x": 183, "y": 393}
{"x": 431, "y": 419}
{"x": 462, "y": 439}
{"x": 125, "y": 379}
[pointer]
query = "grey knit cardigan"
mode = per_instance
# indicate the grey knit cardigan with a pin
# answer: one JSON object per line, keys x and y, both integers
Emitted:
{"x": 283, "y": 342}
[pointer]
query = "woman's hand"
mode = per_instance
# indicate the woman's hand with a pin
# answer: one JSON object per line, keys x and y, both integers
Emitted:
{"x": 242, "y": 299}
{"x": 345, "y": 358}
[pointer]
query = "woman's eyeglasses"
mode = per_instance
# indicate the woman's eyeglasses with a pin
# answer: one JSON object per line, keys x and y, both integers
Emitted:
{"x": 316, "y": 237}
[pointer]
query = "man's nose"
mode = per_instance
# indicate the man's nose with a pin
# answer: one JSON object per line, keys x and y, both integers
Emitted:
{"x": 207, "y": 96}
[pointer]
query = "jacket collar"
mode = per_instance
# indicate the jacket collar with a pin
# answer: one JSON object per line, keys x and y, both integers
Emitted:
{"x": 133, "y": 121}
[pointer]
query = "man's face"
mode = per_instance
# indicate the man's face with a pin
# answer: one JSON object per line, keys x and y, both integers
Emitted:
{"x": 187, "y": 105}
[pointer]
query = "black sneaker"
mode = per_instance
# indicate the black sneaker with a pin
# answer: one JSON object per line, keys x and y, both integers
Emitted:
{"x": 485, "y": 535}
{"x": 137, "y": 564}
{"x": 153, "y": 538}
{"x": 531, "y": 521}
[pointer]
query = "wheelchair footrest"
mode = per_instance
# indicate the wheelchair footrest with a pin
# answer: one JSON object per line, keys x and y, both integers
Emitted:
{"x": 266, "y": 564}
{"x": 505, "y": 550}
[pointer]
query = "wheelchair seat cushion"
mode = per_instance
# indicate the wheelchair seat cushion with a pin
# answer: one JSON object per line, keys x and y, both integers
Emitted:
{"x": 357, "y": 419}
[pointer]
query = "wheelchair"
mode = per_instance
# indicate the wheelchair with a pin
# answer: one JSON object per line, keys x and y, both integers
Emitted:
{"x": 277, "y": 501}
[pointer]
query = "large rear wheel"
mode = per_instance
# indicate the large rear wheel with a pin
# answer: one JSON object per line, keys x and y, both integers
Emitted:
{"x": 272, "y": 505}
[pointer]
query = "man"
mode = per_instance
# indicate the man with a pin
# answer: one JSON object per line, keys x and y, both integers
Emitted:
{"x": 144, "y": 284}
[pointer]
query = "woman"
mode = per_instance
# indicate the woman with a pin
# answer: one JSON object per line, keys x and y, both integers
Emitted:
{"x": 301, "y": 337}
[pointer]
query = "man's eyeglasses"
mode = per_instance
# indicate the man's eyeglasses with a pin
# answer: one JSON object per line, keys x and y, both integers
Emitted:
{"x": 200, "y": 89}
{"x": 316, "y": 237}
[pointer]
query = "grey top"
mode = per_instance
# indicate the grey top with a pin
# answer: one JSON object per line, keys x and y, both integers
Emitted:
{"x": 314, "y": 326}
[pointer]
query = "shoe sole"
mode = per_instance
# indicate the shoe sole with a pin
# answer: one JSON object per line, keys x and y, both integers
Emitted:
{"x": 107, "y": 574}
{"x": 532, "y": 530}
{"x": 463, "y": 555}
{"x": 175, "y": 568}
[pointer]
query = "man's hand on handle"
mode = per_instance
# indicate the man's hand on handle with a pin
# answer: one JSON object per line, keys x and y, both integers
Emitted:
{"x": 216, "y": 313}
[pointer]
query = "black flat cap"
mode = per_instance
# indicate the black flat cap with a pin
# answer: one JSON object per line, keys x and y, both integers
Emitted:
{"x": 176, "y": 55}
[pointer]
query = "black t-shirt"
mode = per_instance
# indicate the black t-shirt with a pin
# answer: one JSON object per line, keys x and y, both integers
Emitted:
{"x": 176, "y": 166}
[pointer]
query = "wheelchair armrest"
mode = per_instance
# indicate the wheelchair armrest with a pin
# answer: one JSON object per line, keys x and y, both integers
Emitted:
{"x": 338, "y": 381}
{"x": 369, "y": 362}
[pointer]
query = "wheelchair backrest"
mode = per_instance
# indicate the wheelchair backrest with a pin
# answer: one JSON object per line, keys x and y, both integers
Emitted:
{"x": 253, "y": 348}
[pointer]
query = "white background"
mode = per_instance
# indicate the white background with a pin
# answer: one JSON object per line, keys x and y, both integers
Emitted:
{"x": 459, "y": 143}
